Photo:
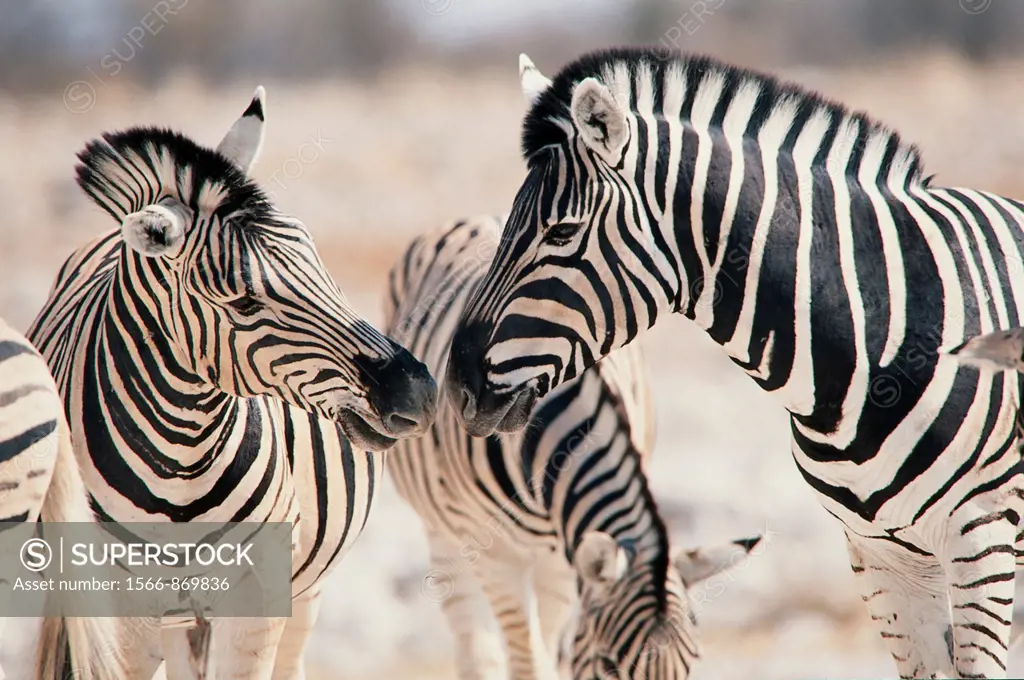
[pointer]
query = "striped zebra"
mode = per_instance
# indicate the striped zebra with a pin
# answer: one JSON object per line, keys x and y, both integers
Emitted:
{"x": 807, "y": 242}
{"x": 524, "y": 527}
{"x": 212, "y": 371}
{"x": 40, "y": 481}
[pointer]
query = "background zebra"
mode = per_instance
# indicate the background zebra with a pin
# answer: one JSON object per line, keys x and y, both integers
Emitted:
{"x": 509, "y": 517}
{"x": 805, "y": 240}
{"x": 239, "y": 370}
{"x": 39, "y": 480}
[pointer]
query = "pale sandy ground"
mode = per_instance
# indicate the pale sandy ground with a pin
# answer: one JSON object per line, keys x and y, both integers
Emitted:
{"x": 421, "y": 148}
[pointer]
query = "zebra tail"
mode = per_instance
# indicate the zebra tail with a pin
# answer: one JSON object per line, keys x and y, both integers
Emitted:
{"x": 75, "y": 647}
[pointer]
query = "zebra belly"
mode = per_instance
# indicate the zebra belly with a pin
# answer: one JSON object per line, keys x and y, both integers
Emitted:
{"x": 896, "y": 495}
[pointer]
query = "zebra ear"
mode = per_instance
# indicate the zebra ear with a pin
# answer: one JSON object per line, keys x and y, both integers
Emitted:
{"x": 599, "y": 559}
{"x": 242, "y": 144}
{"x": 600, "y": 120}
{"x": 1000, "y": 350}
{"x": 700, "y": 563}
{"x": 157, "y": 230}
{"x": 533, "y": 81}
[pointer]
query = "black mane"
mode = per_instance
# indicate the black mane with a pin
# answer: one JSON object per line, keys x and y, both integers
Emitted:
{"x": 541, "y": 128}
{"x": 123, "y": 172}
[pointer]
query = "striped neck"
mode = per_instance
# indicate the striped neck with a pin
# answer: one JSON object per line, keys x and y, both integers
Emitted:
{"x": 190, "y": 418}
{"x": 780, "y": 264}
{"x": 593, "y": 478}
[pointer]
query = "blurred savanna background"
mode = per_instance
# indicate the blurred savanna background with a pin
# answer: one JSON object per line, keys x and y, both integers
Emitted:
{"x": 388, "y": 117}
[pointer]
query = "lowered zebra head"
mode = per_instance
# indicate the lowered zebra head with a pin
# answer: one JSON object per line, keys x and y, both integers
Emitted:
{"x": 999, "y": 350}
{"x": 578, "y": 273}
{"x": 236, "y": 290}
{"x": 636, "y": 618}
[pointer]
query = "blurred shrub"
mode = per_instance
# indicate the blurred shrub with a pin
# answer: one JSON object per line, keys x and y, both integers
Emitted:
{"x": 44, "y": 43}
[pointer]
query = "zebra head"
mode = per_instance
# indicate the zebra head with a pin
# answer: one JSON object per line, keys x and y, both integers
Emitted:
{"x": 236, "y": 291}
{"x": 636, "y": 617}
{"x": 999, "y": 350}
{"x": 578, "y": 272}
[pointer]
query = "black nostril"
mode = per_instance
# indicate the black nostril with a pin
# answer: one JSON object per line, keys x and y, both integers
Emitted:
{"x": 468, "y": 405}
{"x": 399, "y": 423}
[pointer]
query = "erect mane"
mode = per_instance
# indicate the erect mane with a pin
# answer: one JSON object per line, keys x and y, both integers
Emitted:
{"x": 125, "y": 171}
{"x": 546, "y": 123}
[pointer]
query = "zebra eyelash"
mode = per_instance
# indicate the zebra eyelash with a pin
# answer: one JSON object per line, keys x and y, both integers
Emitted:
{"x": 561, "y": 233}
{"x": 246, "y": 305}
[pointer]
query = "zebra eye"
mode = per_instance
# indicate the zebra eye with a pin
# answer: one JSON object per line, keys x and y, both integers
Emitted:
{"x": 561, "y": 233}
{"x": 607, "y": 668}
{"x": 246, "y": 305}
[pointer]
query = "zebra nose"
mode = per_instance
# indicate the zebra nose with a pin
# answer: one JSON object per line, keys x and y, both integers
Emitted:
{"x": 465, "y": 377}
{"x": 405, "y": 395}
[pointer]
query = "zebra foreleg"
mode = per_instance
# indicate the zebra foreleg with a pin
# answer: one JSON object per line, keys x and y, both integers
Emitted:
{"x": 251, "y": 648}
{"x": 479, "y": 654}
{"x": 243, "y": 647}
{"x": 291, "y": 652}
{"x": 143, "y": 650}
{"x": 509, "y": 587}
{"x": 186, "y": 646}
{"x": 906, "y": 595}
{"x": 981, "y": 568}
{"x": 554, "y": 583}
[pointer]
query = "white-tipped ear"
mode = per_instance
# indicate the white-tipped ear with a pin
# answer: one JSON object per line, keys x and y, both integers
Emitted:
{"x": 157, "y": 230}
{"x": 700, "y": 563}
{"x": 600, "y": 119}
{"x": 533, "y": 81}
{"x": 1000, "y": 350}
{"x": 242, "y": 144}
{"x": 599, "y": 559}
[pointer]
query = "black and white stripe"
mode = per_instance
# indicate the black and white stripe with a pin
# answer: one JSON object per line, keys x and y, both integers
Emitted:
{"x": 528, "y": 526}
{"x": 212, "y": 371}
{"x": 807, "y": 242}
{"x": 40, "y": 481}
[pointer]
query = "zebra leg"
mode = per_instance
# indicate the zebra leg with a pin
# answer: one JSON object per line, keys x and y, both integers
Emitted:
{"x": 554, "y": 582}
{"x": 143, "y": 650}
{"x": 906, "y": 595}
{"x": 245, "y": 647}
{"x": 186, "y": 646}
{"x": 980, "y": 565}
{"x": 508, "y": 585}
{"x": 291, "y": 652}
{"x": 479, "y": 653}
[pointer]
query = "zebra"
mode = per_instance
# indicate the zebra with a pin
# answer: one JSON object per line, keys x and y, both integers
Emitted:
{"x": 525, "y": 527}
{"x": 806, "y": 240}
{"x": 244, "y": 384}
{"x": 40, "y": 482}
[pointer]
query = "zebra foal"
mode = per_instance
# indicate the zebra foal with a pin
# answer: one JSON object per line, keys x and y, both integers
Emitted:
{"x": 806, "y": 240}
{"x": 212, "y": 371}
{"x": 528, "y": 526}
